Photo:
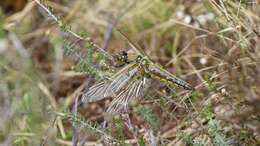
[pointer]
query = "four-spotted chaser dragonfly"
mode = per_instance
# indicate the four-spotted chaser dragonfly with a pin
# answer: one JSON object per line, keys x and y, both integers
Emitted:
{"x": 127, "y": 83}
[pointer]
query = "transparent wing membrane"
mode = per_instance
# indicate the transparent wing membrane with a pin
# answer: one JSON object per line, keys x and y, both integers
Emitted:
{"x": 108, "y": 87}
{"x": 120, "y": 81}
{"x": 96, "y": 92}
{"x": 121, "y": 101}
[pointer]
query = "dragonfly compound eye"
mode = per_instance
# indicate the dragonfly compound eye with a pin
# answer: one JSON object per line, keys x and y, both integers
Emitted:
{"x": 144, "y": 62}
{"x": 125, "y": 57}
{"x": 138, "y": 59}
{"x": 124, "y": 53}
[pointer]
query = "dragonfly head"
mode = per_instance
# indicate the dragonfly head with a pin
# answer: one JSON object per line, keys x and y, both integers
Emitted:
{"x": 126, "y": 57}
{"x": 122, "y": 58}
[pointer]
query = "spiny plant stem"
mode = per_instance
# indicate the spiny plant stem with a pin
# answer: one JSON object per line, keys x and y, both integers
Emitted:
{"x": 65, "y": 28}
{"x": 85, "y": 62}
{"x": 81, "y": 122}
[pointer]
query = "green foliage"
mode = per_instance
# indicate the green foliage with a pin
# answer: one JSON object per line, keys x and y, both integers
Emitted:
{"x": 21, "y": 141}
{"x": 162, "y": 100}
{"x": 119, "y": 126}
{"x": 187, "y": 139}
{"x": 214, "y": 129}
{"x": 141, "y": 141}
{"x": 2, "y": 18}
{"x": 33, "y": 115}
{"x": 210, "y": 84}
{"x": 216, "y": 132}
{"x": 147, "y": 23}
{"x": 194, "y": 95}
{"x": 93, "y": 127}
{"x": 26, "y": 102}
{"x": 84, "y": 62}
{"x": 149, "y": 117}
{"x": 88, "y": 65}
{"x": 64, "y": 27}
{"x": 198, "y": 144}
{"x": 81, "y": 122}
{"x": 71, "y": 49}
{"x": 83, "y": 34}
{"x": 55, "y": 40}
{"x": 26, "y": 106}
{"x": 207, "y": 112}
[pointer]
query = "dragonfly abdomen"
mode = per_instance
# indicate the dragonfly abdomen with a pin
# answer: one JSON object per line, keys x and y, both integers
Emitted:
{"x": 169, "y": 79}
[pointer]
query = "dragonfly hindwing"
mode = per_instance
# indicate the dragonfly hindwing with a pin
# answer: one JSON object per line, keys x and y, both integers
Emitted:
{"x": 109, "y": 87}
{"x": 132, "y": 91}
{"x": 119, "y": 82}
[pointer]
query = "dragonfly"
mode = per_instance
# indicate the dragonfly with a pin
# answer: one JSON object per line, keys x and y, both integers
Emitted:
{"x": 128, "y": 83}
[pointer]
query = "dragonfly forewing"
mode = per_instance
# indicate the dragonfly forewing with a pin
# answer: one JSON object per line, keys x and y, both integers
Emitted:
{"x": 109, "y": 87}
{"x": 119, "y": 82}
{"x": 96, "y": 92}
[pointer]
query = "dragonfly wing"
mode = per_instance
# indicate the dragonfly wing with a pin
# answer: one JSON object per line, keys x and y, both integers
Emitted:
{"x": 163, "y": 74}
{"x": 96, "y": 92}
{"x": 108, "y": 87}
{"x": 120, "y": 81}
{"x": 121, "y": 101}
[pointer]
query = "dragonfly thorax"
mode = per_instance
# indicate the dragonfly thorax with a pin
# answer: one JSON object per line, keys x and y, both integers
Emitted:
{"x": 139, "y": 59}
{"x": 143, "y": 65}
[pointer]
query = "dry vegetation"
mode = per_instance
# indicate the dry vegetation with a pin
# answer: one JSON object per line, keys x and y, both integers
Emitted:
{"x": 46, "y": 64}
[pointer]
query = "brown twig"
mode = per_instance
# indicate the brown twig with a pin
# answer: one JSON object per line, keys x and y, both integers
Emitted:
{"x": 108, "y": 34}
{"x": 112, "y": 24}
{"x": 75, "y": 130}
